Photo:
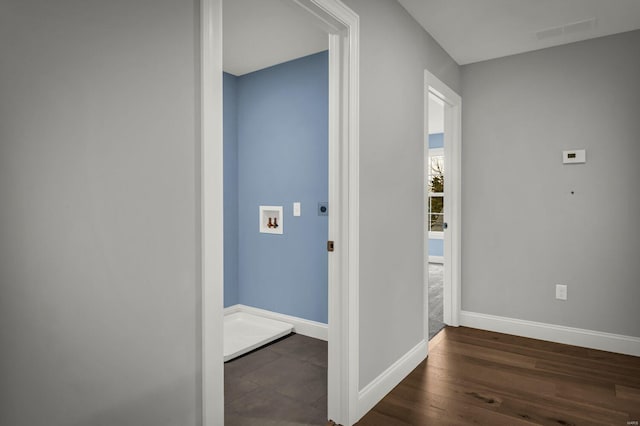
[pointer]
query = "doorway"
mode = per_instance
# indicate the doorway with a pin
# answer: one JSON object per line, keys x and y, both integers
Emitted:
{"x": 436, "y": 204}
{"x": 442, "y": 164}
{"x": 342, "y": 27}
{"x": 275, "y": 113}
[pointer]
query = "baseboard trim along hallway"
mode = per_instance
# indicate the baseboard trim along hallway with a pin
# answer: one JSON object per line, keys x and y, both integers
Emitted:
{"x": 553, "y": 333}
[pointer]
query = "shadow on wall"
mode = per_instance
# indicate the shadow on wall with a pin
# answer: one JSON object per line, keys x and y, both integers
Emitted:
{"x": 157, "y": 407}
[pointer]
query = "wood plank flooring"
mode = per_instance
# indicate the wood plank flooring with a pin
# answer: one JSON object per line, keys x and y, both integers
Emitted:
{"x": 479, "y": 377}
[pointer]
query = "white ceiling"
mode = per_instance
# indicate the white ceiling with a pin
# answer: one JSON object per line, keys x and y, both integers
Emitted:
{"x": 260, "y": 33}
{"x": 477, "y": 30}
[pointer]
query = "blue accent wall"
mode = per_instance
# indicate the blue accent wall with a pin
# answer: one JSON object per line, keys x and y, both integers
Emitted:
{"x": 436, "y": 140}
{"x": 436, "y": 247}
{"x": 230, "y": 158}
{"x": 282, "y": 157}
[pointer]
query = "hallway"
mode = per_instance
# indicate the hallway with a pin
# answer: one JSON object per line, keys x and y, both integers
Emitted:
{"x": 480, "y": 377}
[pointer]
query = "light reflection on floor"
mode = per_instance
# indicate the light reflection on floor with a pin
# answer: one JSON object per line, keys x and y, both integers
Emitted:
{"x": 436, "y": 273}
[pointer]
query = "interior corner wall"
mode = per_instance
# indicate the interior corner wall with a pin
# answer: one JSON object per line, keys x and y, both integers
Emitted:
{"x": 530, "y": 222}
{"x": 230, "y": 164}
{"x": 282, "y": 158}
{"x": 394, "y": 52}
{"x": 99, "y": 213}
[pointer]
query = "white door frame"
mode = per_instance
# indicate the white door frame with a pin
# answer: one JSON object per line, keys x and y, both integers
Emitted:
{"x": 342, "y": 24}
{"x": 452, "y": 196}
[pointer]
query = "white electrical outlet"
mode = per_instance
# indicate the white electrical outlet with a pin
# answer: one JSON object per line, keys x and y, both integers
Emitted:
{"x": 561, "y": 292}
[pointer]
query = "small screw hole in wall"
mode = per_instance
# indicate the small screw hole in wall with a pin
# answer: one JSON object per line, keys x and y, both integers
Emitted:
{"x": 572, "y": 192}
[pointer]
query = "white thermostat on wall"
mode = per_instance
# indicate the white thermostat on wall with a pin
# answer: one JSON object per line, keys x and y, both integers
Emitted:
{"x": 574, "y": 156}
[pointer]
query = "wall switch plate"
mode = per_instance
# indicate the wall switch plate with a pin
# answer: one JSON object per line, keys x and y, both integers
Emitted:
{"x": 574, "y": 156}
{"x": 296, "y": 208}
{"x": 561, "y": 292}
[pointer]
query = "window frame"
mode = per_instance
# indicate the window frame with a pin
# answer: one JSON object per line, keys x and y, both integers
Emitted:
{"x": 434, "y": 152}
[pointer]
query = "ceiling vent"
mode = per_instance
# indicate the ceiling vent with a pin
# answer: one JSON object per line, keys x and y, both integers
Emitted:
{"x": 572, "y": 28}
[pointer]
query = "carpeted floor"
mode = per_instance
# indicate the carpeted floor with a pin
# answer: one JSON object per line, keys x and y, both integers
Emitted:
{"x": 436, "y": 278}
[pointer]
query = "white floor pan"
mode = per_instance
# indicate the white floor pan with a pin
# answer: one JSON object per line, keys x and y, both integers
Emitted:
{"x": 245, "y": 332}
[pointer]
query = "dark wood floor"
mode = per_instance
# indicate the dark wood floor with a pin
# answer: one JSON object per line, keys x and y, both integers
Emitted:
{"x": 479, "y": 377}
{"x": 282, "y": 384}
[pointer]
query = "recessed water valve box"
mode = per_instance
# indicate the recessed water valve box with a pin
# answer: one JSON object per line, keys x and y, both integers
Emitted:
{"x": 574, "y": 156}
{"x": 271, "y": 220}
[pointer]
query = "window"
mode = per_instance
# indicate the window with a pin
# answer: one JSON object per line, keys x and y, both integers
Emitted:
{"x": 435, "y": 182}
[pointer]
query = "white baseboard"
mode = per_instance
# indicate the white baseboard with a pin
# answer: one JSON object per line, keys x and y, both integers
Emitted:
{"x": 309, "y": 328}
{"x": 371, "y": 394}
{"x": 436, "y": 259}
{"x": 553, "y": 333}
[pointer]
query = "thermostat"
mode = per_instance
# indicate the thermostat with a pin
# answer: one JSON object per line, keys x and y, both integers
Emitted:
{"x": 574, "y": 156}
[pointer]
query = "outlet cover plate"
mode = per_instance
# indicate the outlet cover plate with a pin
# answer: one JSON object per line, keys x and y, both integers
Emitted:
{"x": 323, "y": 208}
{"x": 561, "y": 292}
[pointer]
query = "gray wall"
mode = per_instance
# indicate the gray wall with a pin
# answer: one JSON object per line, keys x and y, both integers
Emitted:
{"x": 98, "y": 215}
{"x": 523, "y": 231}
{"x": 395, "y": 51}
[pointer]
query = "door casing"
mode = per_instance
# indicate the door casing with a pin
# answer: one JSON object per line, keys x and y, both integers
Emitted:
{"x": 452, "y": 197}
{"x": 342, "y": 26}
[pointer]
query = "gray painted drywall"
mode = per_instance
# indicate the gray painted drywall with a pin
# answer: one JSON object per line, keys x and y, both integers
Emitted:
{"x": 99, "y": 316}
{"x": 523, "y": 231}
{"x": 394, "y": 53}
